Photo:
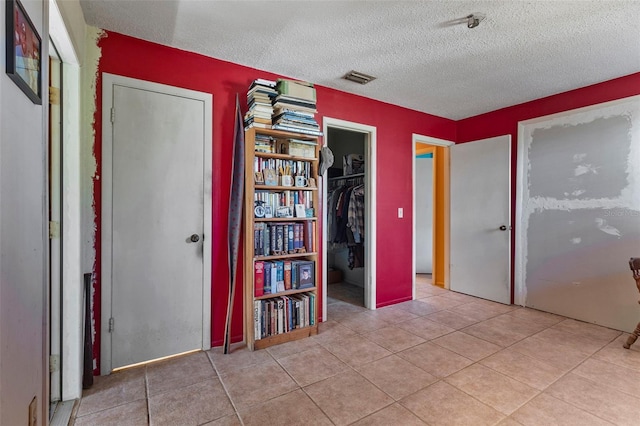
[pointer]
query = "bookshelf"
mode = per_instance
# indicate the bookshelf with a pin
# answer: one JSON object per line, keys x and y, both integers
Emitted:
{"x": 280, "y": 235}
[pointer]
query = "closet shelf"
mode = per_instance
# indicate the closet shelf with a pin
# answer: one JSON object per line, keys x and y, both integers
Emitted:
{"x": 346, "y": 177}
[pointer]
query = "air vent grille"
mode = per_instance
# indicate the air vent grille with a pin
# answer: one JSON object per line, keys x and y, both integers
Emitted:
{"x": 358, "y": 77}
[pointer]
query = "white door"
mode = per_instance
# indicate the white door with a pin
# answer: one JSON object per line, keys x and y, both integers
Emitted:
{"x": 55, "y": 222}
{"x": 480, "y": 235}
{"x": 156, "y": 211}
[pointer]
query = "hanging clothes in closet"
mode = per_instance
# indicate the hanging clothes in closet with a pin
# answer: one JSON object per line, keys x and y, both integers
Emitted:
{"x": 346, "y": 217}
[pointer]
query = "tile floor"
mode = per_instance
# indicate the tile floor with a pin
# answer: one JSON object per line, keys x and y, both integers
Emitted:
{"x": 443, "y": 359}
{"x": 346, "y": 293}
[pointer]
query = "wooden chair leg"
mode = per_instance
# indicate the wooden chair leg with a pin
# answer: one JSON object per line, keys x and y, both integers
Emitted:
{"x": 633, "y": 337}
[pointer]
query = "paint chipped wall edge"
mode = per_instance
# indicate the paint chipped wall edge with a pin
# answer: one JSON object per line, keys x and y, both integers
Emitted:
{"x": 89, "y": 165}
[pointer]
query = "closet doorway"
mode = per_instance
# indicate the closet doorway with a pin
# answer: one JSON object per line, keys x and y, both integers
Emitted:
{"x": 430, "y": 211}
{"x": 349, "y": 254}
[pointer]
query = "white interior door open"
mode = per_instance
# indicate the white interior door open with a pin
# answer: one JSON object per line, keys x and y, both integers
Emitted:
{"x": 154, "y": 225}
{"x": 480, "y": 235}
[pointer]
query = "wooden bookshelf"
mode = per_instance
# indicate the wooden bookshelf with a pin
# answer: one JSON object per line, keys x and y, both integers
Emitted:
{"x": 263, "y": 307}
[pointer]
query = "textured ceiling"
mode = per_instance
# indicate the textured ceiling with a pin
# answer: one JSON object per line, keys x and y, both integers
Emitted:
{"x": 423, "y": 55}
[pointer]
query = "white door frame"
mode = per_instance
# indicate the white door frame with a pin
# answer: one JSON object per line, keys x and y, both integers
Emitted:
{"x": 417, "y": 138}
{"x": 72, "y": 318}
{"x": 108, "y": 81}
{"x": 370, "y": 210}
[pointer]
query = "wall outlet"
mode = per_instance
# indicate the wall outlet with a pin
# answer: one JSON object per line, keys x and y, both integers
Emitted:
{"x": 33, "y": 412}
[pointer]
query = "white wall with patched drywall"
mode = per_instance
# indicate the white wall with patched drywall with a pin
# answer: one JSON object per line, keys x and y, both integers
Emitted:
{"x": 424, "y": 215}
{"x": 23, "y": 239}
{"x": 579, "y": 210}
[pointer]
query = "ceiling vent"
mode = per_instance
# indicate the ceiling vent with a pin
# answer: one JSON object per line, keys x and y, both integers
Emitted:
{"x": 358, "y": 77}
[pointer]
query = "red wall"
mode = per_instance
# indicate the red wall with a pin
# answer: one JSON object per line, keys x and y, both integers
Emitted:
{"x": 126, "y": 56}
{"x": 505, "y": 121}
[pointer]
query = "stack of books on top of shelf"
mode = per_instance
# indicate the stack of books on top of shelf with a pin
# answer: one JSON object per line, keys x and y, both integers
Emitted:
{"x": 294, "y": 107}
{"x": 259, "y": 99}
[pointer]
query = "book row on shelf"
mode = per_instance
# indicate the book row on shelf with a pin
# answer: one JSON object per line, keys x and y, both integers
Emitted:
{"x": 273, "y": 277}
{"x": 276, "y": 239}
{"x": 283, "y": 314}
{"x": 282, "y": 167}
{"x": 283, "y": 198}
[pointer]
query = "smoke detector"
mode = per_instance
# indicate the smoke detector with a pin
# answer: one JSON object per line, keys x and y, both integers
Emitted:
{"x": 358, "y": 77}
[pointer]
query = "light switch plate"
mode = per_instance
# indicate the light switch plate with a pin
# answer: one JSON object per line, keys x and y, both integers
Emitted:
{"x": 400, "y": 212}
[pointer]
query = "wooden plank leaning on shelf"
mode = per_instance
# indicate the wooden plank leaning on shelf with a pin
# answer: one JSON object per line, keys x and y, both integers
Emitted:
{"x": 285, "y": 306}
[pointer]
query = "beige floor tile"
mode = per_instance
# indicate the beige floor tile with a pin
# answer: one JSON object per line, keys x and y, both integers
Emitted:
{"x": 465, "y": 298}
{"x": 498, "y": 307}
{"x": 191, "y": 405}
{"x": 431, "y": 289}
{"x": 443, "y": 404}
{"x": 492, "y": 388}
{"x": 417, "y": 307}
{"x": 340, "y": 310}
{"x": 393, "y": 339}
{"x": 312, "y": 365}
{"x": 249, "y": 386}
{"x": 392, "y": 314}
{"x": 434, "y": 359}
{"x": 394, "y": 414}
{"x": 585, "y": 329}
{"x": 616, "y": 354}
{"x": 612, "y": 375}
{"x": 601, "y": 401}
{"x": 238, "y": 357}
{"x": 518, "y": 325}
{"x": 231, "y": 420}
{"x": 130, "y": 414}
{"x": 549, "y": 411}
{"x": 575, "y": 341}
{"x": 425, "y": 328}
{"x": 476, "y": 310}
{"x": 178, "y": 372}
{"x": 395, "y": 376}
{"x": 113, "y": 390}
{"x": 356, "y": 350}
{"x": 466, "y": 345}
{"x": 442, "y": 302}
{"x": 533, "y": 315}
{"x": 422, "y": 293}
{"x": 495, "y": 333}
{"x": 523, "y": 368}
{"x": 451, "y": 319}
{"x": 300, "y": 410}
{"x": 509, "y": 422}
{"x": 294, "y": 347}
{"x": 363, "y": 322}
{"x": 347, "y": 398}
{"x": 332, "y": 331}
{"x": 563, "y": 357}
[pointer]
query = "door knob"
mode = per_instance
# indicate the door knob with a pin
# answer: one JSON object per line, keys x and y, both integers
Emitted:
{"x": 503, "y": 228}
{"x": 195, "y": 238}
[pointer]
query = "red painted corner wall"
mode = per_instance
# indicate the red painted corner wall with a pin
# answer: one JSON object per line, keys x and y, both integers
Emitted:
{"x": 505, "y": 122}
{"x": 130, "y": 57}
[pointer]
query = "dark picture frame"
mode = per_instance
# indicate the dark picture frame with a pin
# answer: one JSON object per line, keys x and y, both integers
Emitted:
{"x": 23, "y": 51}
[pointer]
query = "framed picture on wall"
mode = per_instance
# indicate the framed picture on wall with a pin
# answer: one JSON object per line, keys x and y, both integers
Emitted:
{"x": 23, "y": 51}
